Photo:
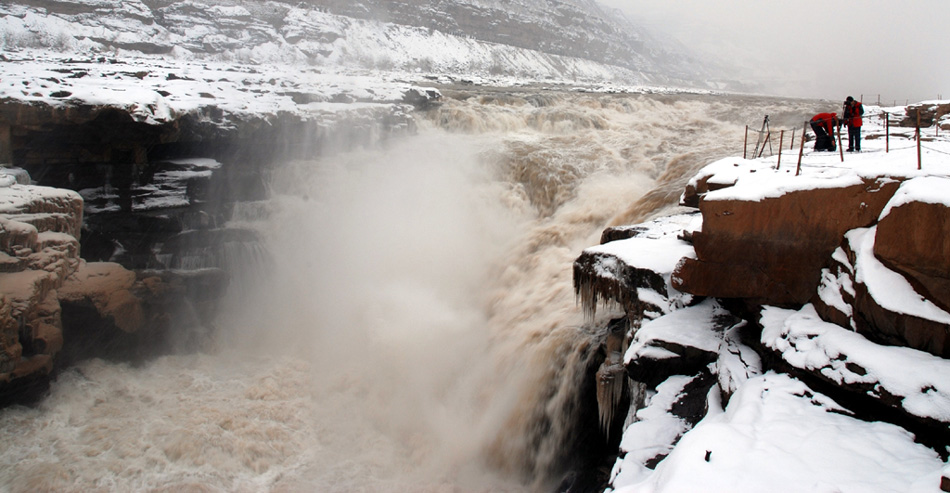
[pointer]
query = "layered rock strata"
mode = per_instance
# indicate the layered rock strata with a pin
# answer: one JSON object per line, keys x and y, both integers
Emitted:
{"x": 56, "y": 309}
{"x": 39, "y": 249}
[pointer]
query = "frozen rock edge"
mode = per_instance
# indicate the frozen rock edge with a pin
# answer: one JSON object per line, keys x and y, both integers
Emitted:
{"x": 811, "y": 290}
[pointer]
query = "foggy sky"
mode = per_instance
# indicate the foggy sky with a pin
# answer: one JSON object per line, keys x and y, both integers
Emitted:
{"x": 824, "y": 49}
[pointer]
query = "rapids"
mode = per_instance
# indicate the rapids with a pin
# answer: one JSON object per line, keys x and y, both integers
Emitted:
{"x": 415, "y": 328}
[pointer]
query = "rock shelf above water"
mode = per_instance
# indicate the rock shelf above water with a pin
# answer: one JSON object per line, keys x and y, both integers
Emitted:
{"x": 835, "y": 278}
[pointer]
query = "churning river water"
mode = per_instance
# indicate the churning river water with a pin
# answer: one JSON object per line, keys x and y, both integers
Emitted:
{"x": 416, "y": 327}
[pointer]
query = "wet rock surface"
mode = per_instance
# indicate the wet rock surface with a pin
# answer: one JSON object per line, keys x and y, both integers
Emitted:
{"x": 56, "y": 309}
{"x": 114, "y": 220}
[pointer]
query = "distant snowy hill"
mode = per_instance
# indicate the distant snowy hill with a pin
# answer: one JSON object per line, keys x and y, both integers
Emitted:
{"x": 567, "y": 40}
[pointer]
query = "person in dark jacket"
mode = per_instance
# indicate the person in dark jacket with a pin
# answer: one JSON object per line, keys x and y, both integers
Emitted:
{"x": 823, "y": 124}
{"x": 852, "y": 118}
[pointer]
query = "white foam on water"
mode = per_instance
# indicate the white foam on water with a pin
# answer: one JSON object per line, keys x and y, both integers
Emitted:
{"x": 417, "y": 330}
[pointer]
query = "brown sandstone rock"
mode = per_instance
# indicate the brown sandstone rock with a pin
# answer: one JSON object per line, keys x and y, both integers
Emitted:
{"x": 33, "y": 365}
{"x": 10, "y": 349}
{"x": 845, "y": 301}
{"x": 886, "y": 326}
{"x": 772, "y": 250}
{"x": 929, "y": 113}
{"x": 912, "y": 240}
{"x": 45, "y": 208}
{"x": 39, "y": 248}
{"x": 108, "y": 287}
{"x": 694, "y": 191}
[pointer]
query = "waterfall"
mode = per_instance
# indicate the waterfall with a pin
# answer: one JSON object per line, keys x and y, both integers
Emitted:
{"x": 414, "y": 327}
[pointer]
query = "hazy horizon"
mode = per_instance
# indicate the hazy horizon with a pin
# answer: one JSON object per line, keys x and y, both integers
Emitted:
{"x": 810, "y": 48}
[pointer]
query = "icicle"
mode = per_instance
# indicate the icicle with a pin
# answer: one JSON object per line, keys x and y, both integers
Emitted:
{"x": 611, "y": 378}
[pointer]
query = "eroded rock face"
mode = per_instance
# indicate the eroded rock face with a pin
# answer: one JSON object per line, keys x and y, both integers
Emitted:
{"x": 857, "y": 292}
{"x": 912, "y": 239}
{"x": 39, "y": 248}
{"x": 892, "y": 282}
{"x": 56, "y": 309}
{"x": 120, "y": 315}
{"x": 771, "y": 251}
{"x": 97, "y": 134}
{"x": 107, "y": 286}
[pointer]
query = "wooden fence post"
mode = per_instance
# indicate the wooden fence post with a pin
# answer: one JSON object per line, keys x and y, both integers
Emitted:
{"x": 918, "y": 138}
{"x": 801, "y": 150}
{"x": 791, "y": 142}
{"x": 887, "y": 133}
{"x": 781, "y": 144}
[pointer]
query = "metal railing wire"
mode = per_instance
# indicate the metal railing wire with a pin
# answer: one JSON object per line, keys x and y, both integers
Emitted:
{"x": 765, "y": 134}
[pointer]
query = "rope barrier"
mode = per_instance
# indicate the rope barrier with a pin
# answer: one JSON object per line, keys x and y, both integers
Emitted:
{"x": 935, "y": 150}
{"x": 912, "y": 134}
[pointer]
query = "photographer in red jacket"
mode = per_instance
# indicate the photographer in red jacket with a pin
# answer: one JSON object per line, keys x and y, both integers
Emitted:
{"x": 823, "y": 124}
{"x": 852, "y": 117}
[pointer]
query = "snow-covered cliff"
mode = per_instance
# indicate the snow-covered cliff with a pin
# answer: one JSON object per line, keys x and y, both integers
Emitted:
{"x": 544, "y": 40}
{"x": 803, "y": 315}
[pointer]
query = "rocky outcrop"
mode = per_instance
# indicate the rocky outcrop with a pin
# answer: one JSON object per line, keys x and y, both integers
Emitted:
{"x": 57, "y": 143}
{"x": 838, "y": 278}
{"x": 39, "y": 248}
{"x": 861, "y": 373}
{"x": 116, "y": 314}
{"x": 912, "y": 239}
{"x": 890, "y": 282}
{"x": 40, "y": 133}
{"x": 107, "y": 287}
{"x": 56, "y": 309}
{"x": 770, "y": 250}
{"x": 929, "y": 114}
{"x": 640, "y": 284}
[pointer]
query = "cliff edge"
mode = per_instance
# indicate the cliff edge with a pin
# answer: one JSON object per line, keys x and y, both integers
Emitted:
{"x": 805, "y": 318}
